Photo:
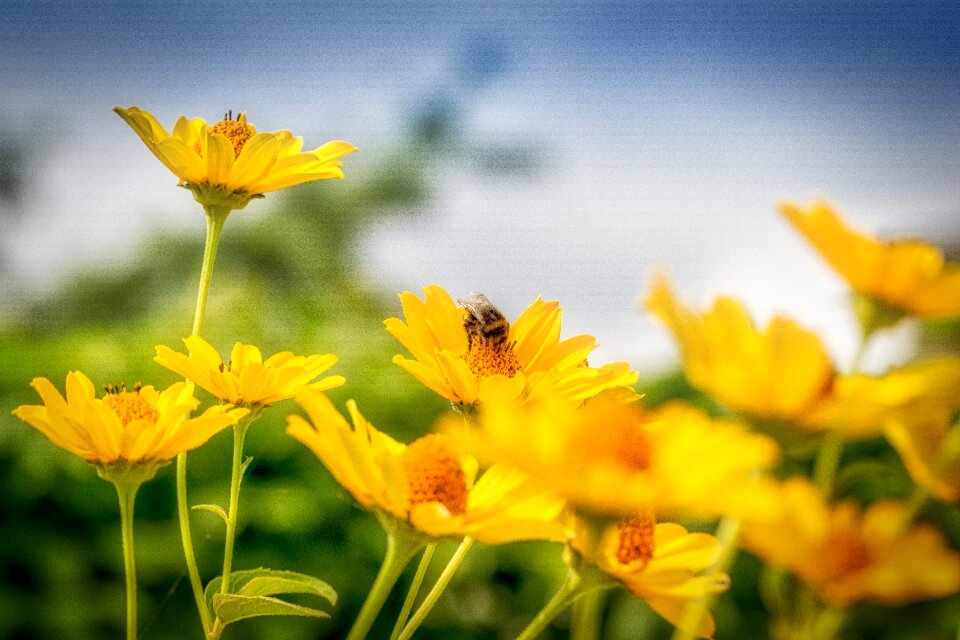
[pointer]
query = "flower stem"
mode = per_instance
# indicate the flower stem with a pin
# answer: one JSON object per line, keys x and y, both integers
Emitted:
{"x": 239, "y": 432}
{"x": 455, "y": 561}
{"x": 563, "y": 598}
{"x": 127, "y": 493}
{"x": 587, "y": 616}
{"x": 216, "y": 216}
{"x": 400, "y": 550}
{"x": 413, "y": 590}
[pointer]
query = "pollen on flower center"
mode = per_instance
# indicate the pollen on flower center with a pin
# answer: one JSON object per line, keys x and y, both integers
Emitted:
{"x": 129, "y": 405}
{"x": 487, "y": 359}
{"x": 636, "y": 538}
{"x": 619, "y": 441}
{"x": 236, "y": 131}
{"x": 434, "y": 473}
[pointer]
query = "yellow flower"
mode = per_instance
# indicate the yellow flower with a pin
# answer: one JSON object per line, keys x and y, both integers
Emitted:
{"x": 231, "y": 158}
{"x": 428, "y": 483}
{"x": 931, "y": 454}
{"x": 777, "y": 373}
{"x": 610, "y": 458}
{"x": 862, "y": 405}
{"x": 907, "y": 275}
{"x": 848, "y": 555}
{"x": 246, "y": 378}
{"x": 461, "y": 368}
{"x": 661, "y": 563}
{"x": 139, "y": 426}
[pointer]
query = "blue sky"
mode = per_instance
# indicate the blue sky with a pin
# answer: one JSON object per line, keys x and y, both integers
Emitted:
{"x": 668, "y": 132}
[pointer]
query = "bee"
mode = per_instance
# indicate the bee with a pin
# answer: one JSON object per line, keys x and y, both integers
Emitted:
{"x": 484, "y": 322}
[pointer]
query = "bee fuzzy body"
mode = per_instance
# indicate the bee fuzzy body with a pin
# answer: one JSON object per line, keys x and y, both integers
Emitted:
{"x": 484, "y": 322}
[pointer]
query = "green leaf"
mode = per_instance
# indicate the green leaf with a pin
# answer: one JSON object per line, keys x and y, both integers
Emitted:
{"x": 231, "y": 607}
{"x": 212, "y": 508}
{"x": 256, "y": 585}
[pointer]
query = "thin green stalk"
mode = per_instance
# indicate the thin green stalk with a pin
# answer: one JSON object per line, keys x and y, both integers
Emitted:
{"x": 563, "y": 598}
{"x": 127, "y": 493}
{"x": 445, "y": 576}
{"x": 216, "y": 216}
{"x": 400, "y": 550}
{"x": 948, "y": 453}
{"x": 239, "y": 432}
{"x": 413, "y": 590}
{"x": 827, "y": 462}
{"x": 588, "y": 616}
{"x": 728, "y": 533}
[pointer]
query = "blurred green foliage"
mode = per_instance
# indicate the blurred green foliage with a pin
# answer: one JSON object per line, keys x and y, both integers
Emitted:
{"x": 286, "y": 279}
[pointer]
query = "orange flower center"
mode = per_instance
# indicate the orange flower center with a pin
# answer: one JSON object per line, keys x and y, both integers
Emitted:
{"x": 636, "y": 538}
{"x": 619, "y": 440}
{"x": 434, "y": 473}
{"x": 487, "y": 359}
{"x": 129, "y": 405}
{"x": 236, "y": 131}
{"x": 842, "y": 554}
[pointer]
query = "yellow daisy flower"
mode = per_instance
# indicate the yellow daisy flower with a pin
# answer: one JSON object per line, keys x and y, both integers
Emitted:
{"x": 661, "y": 563}
{"x": 246, "y": 378}
{"x": 428, "y": 483}
{"x": 123, "y": 426}
{"x": 609, "y": 457}
{"x": 230, "y": 160}
{"x": 848, "y": 555}
{"x": 458, "y": 356}
{"x": 777, "y": 373}
{"x": 909, "y": 276}
{"x": 862, "y": 405}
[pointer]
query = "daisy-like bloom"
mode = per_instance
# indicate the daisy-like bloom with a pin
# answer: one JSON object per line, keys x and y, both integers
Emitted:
{"x": 246, "y": 378}
{"x": 861, "y": 405}
{"x": 610, "y": 458}
{"x": 139, "y": 426}
{"x": 659, "y": 562}
{"x": 904, "y": 276}
{"x": 429, "y": 483}
{"x": 458, "y": 364}
{"x": 229, "y": 162}
{"x": 849, "y": 555}
{"x": 775, "y": 374}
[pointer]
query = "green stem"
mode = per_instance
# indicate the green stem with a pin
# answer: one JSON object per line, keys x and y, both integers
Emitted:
{"x": 183, "y": 512}
{"x": 216, "y": 216}
{"x": 400, "y": 550}
{"x": 413, "y": 590}
{"x": 728, "y": 533}
{"x": 563, "y": 598}
{"x": 587, "y": 616}
{"x": 827, "y": 462}
{"x": 948, "y": 453}
{"x": 127, "y": 493}
{"x": 455, "y": 561}
{"x": 239, "y": 432}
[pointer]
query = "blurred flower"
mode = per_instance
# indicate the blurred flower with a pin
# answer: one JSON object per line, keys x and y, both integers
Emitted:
{"x": 139, "y": 426}
{"x": 459, "y": 366}
{"x": 905, "y": 276}
{"x": 848, "y": 555}
{"x": 930, "y": 451}
{"x": 229, "y": 163}
{"x": 246, "y": 379}
{"x": 659, "y": 562}
{"x": 777, "y": 373}
{"x": 609, "y": 457}
{"x": 428, "y": 483}
{"x": 862, "y": 405}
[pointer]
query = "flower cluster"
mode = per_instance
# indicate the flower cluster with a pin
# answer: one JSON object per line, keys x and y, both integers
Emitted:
{"x": 541, "y": 445}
